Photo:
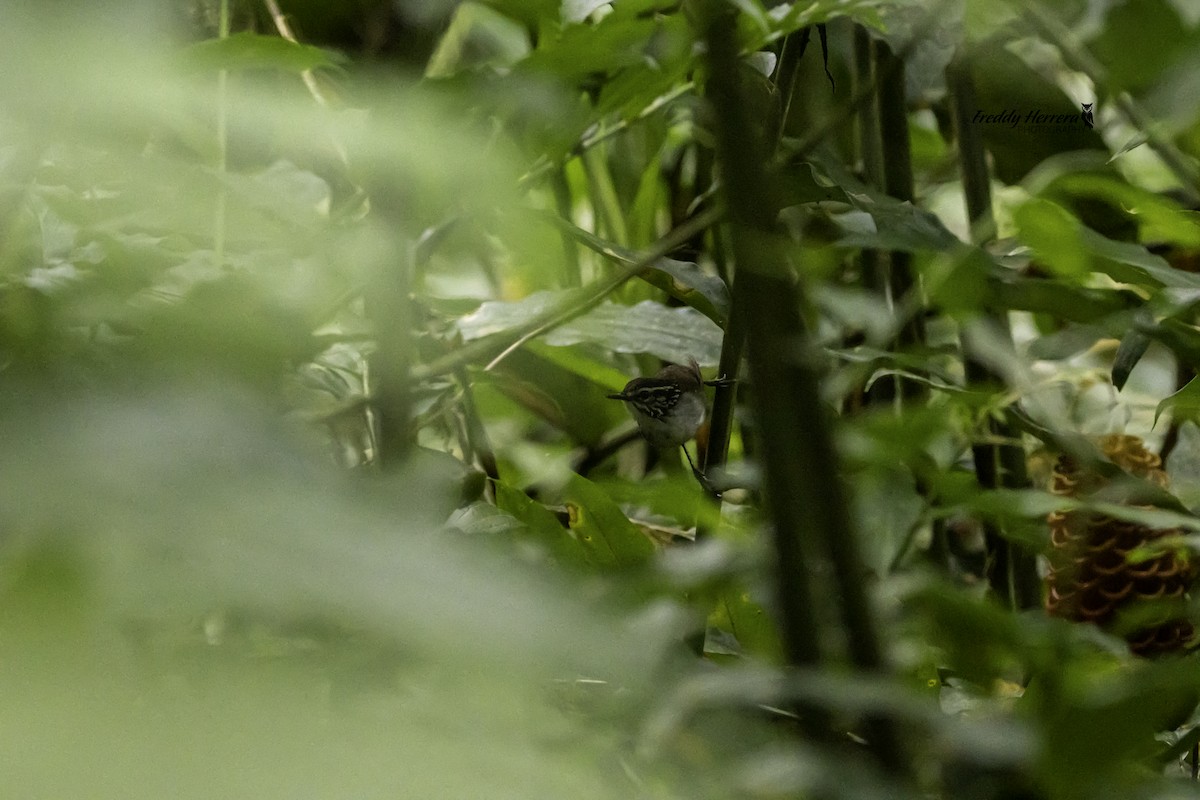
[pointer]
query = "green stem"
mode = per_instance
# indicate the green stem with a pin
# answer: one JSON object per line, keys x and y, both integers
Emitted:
{"x": 220, "y": 210}
{"x": 562, "y": 202}
{"x": 733, "y": 347}
{"x": 897, "y": 182}
{"x": 478, "y": 446}
{"x": 872, "y": 263}
{"x": 1012, "y": 572}
{"x": 390, "y": 312}
{"x": 868, "y": 113}
{"x": 605, "y": 202}
{"x": 786, "y": 74}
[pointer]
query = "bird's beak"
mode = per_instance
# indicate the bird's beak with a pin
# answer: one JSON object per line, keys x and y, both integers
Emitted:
{"x": 616, "y": 396}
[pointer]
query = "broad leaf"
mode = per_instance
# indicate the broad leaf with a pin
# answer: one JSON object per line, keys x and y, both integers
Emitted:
{"x": 1006, "y": 84}
{"x": 540, "y": 525}
{"x": 1129, "y": 262}
{"x": 1142, "y": 41}
{"x": 1059, "y": 299}
{"x": 737, "y": 613}
{"x": 246, "y": 51}
{"x": 478, "y": 36}
{"x": 1133, "y": 346}
{"x": 606, "y": 535}
{"x": 683, "y": 280}
{"x": 1184, "y": 405}
{"x": 672, "y": 334}
{"x": 898, "y": 226}
{"x": 1161, "y": 219}
{"x": 1055, "y": 236}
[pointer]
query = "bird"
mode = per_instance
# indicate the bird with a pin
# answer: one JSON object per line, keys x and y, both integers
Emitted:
{"x": 669, "y": 407}
{"x": 1088, "y": 119}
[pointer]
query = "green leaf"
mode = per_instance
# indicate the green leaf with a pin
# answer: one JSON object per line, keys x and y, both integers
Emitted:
{"x": 478, "y": 36}
{"x": 578, "y": 361}
{"x": 981, "y": 641}
{"x": 1180, "y": 337}
{"x": 245, "y": 51}
{"x": 484, "y": 519}
{"x": 672, "y": 334}
{"x": 669, "y": 498}
{"x": 1159, "y": 518}
{"x": 858, "y": 309}
{"x": 643, "y": 212}
{"x": 1140, "y": 42}
{"x": 1135, "y": 141}
{"x": 683, "y": 280}
{"x": 1068, "y": 341}
{"x": 284, "y": 193}
{"x": 583, "y": 51}
{"x": 606, "y": 535}
{"x": 1105, "y": 723}
{"x": 803, "y": 184}
{"x": 183, "y": 574}
{"x": 1055, "y": 236}
{"x": 541, "y": 525}
{"x": 1161, "y": 219}
{"x": 888, "y": 510}
{"x": 1133, "y": 346}
{"x": 667, "y": 57}
{"x": 1129, "y": 262}
{"x": 783, "y": 19}
{"x": 1059, "y": 299}
{"x": 564, "y": 397}
{"x": 898, "y": 226}
{"x": 497, "y": 316}
{"x": 737, "y": 613}
{"x": 1013, "y": 503}
{"x": 1005, "y": 83}
{"x": 1184, "y": 405}
{"x": 957, "y": 281}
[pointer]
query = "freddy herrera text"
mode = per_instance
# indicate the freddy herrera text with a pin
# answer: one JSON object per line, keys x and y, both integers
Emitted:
{"x": 1035, "y": 117}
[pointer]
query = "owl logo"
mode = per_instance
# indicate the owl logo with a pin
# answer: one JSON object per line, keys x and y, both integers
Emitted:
{"x": 1087, "y": 114}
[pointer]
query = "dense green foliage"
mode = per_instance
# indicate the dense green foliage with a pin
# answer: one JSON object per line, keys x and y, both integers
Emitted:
{"x": 308, "y": 482}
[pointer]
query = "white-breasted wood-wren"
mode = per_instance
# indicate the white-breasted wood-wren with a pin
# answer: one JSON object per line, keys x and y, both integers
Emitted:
{"x": 669, "y": 407}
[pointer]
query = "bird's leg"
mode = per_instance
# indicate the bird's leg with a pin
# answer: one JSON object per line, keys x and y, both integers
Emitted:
{"x": 700, "y": 476}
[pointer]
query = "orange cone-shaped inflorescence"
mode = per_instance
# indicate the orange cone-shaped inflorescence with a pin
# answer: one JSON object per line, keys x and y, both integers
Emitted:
{"x": 1091, "y": 578}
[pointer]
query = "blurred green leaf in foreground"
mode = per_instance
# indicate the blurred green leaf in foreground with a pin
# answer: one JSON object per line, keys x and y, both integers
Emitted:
{"x": 195, "y": 603}
{"x": 193, "y": 609}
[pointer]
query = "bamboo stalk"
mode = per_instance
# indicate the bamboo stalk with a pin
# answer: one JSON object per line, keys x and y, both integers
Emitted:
{"x": 805, "y": 495}
{"x": 1012, "y": 572}
{"x": 897, "y": 174}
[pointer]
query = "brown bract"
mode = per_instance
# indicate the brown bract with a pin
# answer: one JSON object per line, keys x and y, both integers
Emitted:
{"x": 1091, "y": 578}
